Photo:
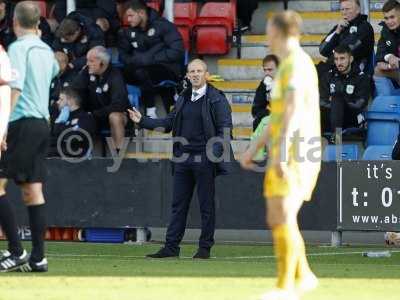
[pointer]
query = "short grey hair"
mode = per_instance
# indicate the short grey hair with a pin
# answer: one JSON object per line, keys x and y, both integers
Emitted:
{"x": 101, "y": 53}
{"x": 27, "y": 13}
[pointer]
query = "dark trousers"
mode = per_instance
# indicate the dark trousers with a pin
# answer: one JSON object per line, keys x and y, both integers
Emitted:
{"x": 187, "y": 175}
{"x": 342, "y": 116}
{"x": 147, "y": 78}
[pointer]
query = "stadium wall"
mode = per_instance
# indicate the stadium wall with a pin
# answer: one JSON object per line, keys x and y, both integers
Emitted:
{"x": 139, "y": 194}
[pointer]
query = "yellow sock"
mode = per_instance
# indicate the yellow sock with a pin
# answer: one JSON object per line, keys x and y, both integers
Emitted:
{"x": 302, "y": 268}
{"x": 285, "y": 245}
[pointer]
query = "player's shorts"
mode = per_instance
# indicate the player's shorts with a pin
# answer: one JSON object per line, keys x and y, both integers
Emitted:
{"x": 27, "y": 147}
{"x": 297, "y": 183}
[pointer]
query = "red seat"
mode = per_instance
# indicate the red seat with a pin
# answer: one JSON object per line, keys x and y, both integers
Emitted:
{"x": 184, "y": 18}
{"x": 156, "y": 5}
{"x": 43, "y": 8}
{"x": 214, "y": 27}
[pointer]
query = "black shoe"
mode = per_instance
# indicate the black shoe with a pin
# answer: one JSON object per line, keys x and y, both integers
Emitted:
{"x": 31, "y": 266}
{"x": 164, "y": 253}
{"x": 13, "y": 262}
{"x": 202, "y": 253}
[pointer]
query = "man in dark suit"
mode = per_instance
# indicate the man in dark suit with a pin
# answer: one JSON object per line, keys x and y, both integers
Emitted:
{"x": 201, "y": 115}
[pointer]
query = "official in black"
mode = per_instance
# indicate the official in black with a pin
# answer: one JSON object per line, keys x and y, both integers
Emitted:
{"x": 151, "y": 50}
{"x": 201, "y": 114}
{"x": 104, "y": 94}
{"x": 353, "y": 31}
{"x": 344, "y": 92}
{"x": 75, "y": 36}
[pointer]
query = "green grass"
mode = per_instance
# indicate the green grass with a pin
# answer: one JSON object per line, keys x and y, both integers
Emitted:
{"x": 98, "y": 271}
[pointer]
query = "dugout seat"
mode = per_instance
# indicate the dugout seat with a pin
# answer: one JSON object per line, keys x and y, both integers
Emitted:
{"x": 214, "y": 26}
{"x": 184, "y": 18}
{"x": 389, "y": 104}
{"x": 378, "y": 152}
{"x": 346, "y": 152}
{"x": 383, "y": 128}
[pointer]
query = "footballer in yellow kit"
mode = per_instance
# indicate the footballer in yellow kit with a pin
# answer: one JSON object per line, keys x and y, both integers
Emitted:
{"x": 293, "y": 137}
{"x": 296, "y": 75}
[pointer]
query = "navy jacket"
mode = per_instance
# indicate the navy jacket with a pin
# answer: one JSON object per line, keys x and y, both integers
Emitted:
{"x": 91, "y": 36}
{"x": 217, "y": 122}
{"x": 159, "y": 44}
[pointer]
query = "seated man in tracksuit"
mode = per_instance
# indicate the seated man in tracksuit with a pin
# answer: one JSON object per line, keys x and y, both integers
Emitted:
{"x": 75, "y": 36}
{"x": 344, "y": 93}
{"x": 387, "y": 76}
{"x": 102, "y": 12}
{"x": 74, "y": 129}
{"x": 104, "y": 94}
{"x": 151, "y": 50}
{"x": 7, "y": 35}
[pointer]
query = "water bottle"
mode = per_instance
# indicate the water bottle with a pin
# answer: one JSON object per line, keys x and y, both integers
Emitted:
{"x": 376, "y": 254}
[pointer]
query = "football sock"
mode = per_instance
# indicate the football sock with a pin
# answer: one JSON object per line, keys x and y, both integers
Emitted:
{"x": 302, "y": 267}
{"x": 284, "y": 237}
{"x": 37, "y": 221}
{"x": 9, "y": 225}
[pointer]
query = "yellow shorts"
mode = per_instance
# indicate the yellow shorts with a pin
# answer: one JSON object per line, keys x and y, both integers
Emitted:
{"x": 275, "y": 186}
{"x": 299, "y": 182}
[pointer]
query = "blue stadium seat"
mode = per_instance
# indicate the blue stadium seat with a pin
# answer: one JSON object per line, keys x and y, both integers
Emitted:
{"x": 390, "y": 104}
{"x": 134, "y": 95}
{"x": 378, "y": 152}
{"x": 348, "y": 152}
{"x": 383, "y": 128}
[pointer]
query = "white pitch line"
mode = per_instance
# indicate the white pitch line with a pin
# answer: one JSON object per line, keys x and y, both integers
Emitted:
{"x": 218, "y": 258}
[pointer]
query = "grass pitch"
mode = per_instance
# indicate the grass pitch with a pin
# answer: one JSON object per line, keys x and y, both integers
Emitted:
{"x": 98, "y": 271}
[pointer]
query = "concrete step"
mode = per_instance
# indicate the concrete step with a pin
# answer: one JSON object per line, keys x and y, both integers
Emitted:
{"x": 239, "y": 69}
{"x": 321, "y": 22}
{"x": 260, "y": 50}
{"x": 306, "y": 39}
{"x": 239, "y": 85}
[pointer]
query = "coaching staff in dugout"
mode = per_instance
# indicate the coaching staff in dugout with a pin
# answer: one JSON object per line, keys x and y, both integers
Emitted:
{"x": 7, "y": 35}
{"x": 104, "y": 94}
{"x": 353, "y": 31}
{"x": 28, "y": 137}
{"x": 102, "y": 12}
{"x": 151, "y": 50}
{"x": 201, "y": 114}
{"x": 75, "y": 36}
{"x": 344, "y": 93}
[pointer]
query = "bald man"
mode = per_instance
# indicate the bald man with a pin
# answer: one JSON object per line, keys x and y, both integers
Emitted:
{"x": 201, "y": 114}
